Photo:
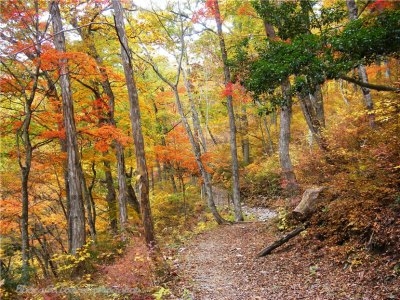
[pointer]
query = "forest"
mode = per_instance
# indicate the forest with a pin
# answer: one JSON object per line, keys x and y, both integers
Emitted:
{"x": 200, "y": 149}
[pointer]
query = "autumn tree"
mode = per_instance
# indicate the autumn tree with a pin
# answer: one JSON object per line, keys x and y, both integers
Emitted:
{"x": 174, "y": 85}
{"x": 22, "y": 80}
{"x": 77, "y": 212}
{"x": 136, "y": 126}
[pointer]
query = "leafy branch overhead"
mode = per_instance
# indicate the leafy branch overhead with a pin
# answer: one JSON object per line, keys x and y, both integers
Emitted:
{"x": 314, "y": 51}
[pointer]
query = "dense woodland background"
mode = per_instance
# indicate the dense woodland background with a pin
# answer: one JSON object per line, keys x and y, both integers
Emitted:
{"x": 119, "y": 121}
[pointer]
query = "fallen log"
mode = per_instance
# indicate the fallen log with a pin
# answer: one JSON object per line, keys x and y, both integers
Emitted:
{"x": 283, "y": 240}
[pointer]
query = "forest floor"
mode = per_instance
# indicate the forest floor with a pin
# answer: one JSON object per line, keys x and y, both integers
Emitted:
{"x": 221, "y": 263}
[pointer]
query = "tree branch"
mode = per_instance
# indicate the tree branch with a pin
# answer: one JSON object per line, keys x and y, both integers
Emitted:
{"x": 379, "y": 88}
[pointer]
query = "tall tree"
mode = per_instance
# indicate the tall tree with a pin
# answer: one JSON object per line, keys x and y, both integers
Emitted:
{"x": 232, "y": 126}
{"x": 136, "y": 126}
{"x": 77, "y": 211}
{"x": 284, "y": 126}
{"x": 174, "y": 87}
{"x": 87, "y": 38}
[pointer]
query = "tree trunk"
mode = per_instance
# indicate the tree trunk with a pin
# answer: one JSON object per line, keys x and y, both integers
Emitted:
{"x": 122, "y": 185}
{"x": 246, "y": 144}
{"x": 197, "y": 154}
{"x": 267, "y": 130}
{"x": 263, "y": 140}
{"x": 232, "y": 127}
{"x": 159, "y": 171}
{"x": 132, "y": 200}
{"x": 25, "y": 170}
{"x": 89, "y": 214}
{"x": 317, "y": 102}
{"x": 284, "y": 129}
{"x": 77, "y": 212}
{"x": 111, "y": 198}
{"x": 353, "y": 14}
{"x": 196, "y": 122}
{"x": 312, "y": 120}
{"x": 167, "y": 168}
{"x": 284, "y": 140}
{"x": 341, "y": 91}
{"x": 136, "y": 127}
{"x": 387, "y": 70}
{"x": 52, "y": 92}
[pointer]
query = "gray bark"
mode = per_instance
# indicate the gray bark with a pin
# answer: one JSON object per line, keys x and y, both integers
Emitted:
{"x": 174, "y": 87}
{"x": 318, "y": 105}
{"x": 197, "y": 154}
{"x": 77, "y": 212}
{"x": 271, "y": 148}
{"x": 263, "y": 140}
{"x": 111, "y": 198}
{"x": 132, "y": 199}
{"x": 25, "y": 170}
{"x": 245, "y": 139}
{"x": 134, "y": 114}
{"x": 89, "y": 210}
{"x": 284, "y": 140}
{"x": 341, "y": 91}
{"x": 122, "y": 185}
{"x": 387, "y": 70}
{"x": 196, "y": 121}
{"x": 312, "y": 120}
{"x": 232, "y": 127}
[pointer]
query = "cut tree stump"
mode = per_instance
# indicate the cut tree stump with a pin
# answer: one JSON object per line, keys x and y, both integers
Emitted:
{"x": 308, "y": 205}
{"x": 283, "y": 240}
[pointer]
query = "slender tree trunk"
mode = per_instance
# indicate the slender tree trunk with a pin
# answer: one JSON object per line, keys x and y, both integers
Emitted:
{"x": 196, "y": 120}
{"x": 232, "y": 127}
{"x": 172, "y": 179}
{"x": 246, "y": 144}
{"x": 284, "y": 140}
{"x": 136, "y": 127}
{"x": 89, "y": 213}
{"x": 387, "y": 70}
{"x": 52, "y": 92}
{"x": 341, "y": 91}
{"x": 312, "y": 119}
{"x": 263, "y": 140}
{"x": 111, "y": 198}
{"x": 353, "y": 14}
{"x": 131, "y": 198}
{"x": 122, "y": 185}
{"x": 159, "y": 170}
{"x": 163, "y": 142}
{"x": 197, "y": 154}
{"x": 318, "y": 105}
{"x": 77, "y": 212}
{"x": 25, "y": 170}
{"x": 271, "y": 148}
{"x": 284, "y": 129}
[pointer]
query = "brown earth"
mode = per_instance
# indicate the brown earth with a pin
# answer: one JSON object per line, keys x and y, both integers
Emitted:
{"x": 221, "y": 264}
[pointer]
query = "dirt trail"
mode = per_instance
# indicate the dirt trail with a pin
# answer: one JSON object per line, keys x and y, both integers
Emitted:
{"x": 221, "y": 264}
{"x": 217, "y": 263}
